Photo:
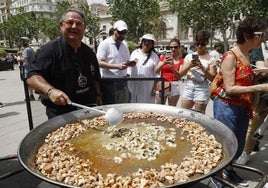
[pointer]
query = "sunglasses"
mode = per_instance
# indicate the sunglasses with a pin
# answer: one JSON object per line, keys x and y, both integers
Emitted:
{"x": 175, "y": 47}
{"x": 122, "y": 32}
{"x": 259, "y": 34}
{"x": 71, "y": 22}
{"x": 200, "y": 44}
{"x": 146, "y": 41}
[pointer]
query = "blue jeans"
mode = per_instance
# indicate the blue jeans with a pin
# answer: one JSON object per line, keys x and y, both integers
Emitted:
{"x": 234, "y": 117}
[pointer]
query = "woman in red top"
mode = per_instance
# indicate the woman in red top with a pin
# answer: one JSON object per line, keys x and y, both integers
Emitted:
{"x": 232, "y": 89}
{"x": 168, "y": 65}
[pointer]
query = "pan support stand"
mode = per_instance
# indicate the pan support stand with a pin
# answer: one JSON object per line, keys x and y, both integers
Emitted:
{"x": 254, "y": 170}
{"x": 27, "y": 98}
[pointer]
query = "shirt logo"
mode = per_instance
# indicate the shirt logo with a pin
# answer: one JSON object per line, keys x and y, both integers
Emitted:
{"x": 82, "y": 80}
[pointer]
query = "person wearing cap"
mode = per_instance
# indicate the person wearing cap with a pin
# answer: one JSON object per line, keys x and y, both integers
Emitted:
{"x": 66, "y": 70}
{"x": 147, "y": 60}
{"x": 27, "y": 59}
{"x": 113, "y": 55}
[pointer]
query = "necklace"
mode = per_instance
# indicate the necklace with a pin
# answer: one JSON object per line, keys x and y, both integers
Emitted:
{"x": 243, "y": 55}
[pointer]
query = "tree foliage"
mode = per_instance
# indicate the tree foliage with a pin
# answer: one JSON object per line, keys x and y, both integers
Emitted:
{"x": 30, "y": 25}
{"x": 50, "y": 26}
{"x": 256, "y": 8}
{"x": 206, "y": 14}
{"x": 21, "y": 24}
{"x": 93, "y": 26}
{"x": 140, "y": 15}
{"x": 216, "y": 15}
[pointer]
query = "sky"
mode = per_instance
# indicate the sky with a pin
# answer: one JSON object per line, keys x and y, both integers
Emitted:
{"x": 96, "y": 1}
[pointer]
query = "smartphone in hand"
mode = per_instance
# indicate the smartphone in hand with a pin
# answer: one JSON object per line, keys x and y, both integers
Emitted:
{"x": 169, "y": 59}
{"x": 195, "y": 58}
{"x": 131, "y": 63}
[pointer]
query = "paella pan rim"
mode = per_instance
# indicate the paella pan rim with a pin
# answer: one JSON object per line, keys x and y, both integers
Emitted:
{"x": 35, "y": 138}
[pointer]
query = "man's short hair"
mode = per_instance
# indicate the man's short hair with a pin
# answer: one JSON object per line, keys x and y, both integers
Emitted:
{"x": 73, "y": 9}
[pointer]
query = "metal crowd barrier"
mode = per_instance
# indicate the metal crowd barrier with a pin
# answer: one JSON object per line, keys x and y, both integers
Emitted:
{"x": 158, "y": 79}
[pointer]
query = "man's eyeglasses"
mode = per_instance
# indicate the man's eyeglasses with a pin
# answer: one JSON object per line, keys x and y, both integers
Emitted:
{"x": 124, "y": 32}
{"x": 200, "y": 44}
{"x": 259, "y": 34}
{"x": 146, "y": 41}
{"x": 71, "y": 22}
{"x": 175, "y": 47}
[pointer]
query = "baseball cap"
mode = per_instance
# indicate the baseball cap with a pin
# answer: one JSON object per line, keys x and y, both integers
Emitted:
{"x": 148, "y": 37}
{"x": 25, "y": 38}
{"x": 120, "y": 25}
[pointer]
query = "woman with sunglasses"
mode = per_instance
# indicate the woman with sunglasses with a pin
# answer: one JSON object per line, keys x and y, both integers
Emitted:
{"x": 199, "y": 68}
{"x": 167, "y": 65}
{"x": 233, "y": 87}
{"x": 146, "y": 62}
{"x": 254, "y": 133}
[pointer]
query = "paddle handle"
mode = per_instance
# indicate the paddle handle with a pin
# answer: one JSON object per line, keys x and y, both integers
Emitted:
{"x": 86, "y": 107}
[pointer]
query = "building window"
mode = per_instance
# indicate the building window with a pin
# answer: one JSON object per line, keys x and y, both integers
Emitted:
{"x": 91, "y": 40}
{"x": 104, "y": 27}
{"x": 237, "y": 17}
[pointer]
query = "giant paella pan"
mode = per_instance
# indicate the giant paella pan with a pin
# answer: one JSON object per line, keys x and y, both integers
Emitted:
{"x": 167, "y": 162}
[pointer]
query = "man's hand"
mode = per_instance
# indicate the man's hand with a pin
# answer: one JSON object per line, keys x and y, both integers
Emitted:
{"x": 121, "y": 66}
{"x": 58, "y": 97}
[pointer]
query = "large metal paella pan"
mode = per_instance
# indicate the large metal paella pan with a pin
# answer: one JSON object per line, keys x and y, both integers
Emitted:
{"x": 36, "y": 138}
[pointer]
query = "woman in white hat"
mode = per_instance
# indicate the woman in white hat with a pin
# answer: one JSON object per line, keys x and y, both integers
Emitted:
{"x": 147, "y": 59}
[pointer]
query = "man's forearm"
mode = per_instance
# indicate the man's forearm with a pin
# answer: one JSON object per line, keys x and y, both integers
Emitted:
{"x": 39, "y": 84}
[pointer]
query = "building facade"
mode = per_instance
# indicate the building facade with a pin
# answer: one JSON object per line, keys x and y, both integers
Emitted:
{"x": 42, "y": 8}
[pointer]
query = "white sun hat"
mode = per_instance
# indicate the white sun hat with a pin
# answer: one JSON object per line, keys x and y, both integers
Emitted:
{"x": 149, "y": 37}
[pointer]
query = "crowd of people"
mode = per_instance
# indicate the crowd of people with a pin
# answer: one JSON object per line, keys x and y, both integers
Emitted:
{"x": 66, "y": 70}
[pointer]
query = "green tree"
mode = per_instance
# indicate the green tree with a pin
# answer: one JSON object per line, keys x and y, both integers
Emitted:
{"x": 93, "y": 26}
{"x": 206, "y": 14}
{"x": 140, "y": 15}
{"x": 16, "y": 26}
{"x": 50, "y": 26}
{"x": 256, "y": 8}
{"x": 216, "y": 15}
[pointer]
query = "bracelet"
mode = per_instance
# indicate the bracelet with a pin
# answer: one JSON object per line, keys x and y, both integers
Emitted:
{"x": 49, "y": 91}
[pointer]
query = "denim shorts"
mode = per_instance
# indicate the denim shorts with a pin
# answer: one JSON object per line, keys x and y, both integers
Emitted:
{"x": 234, "y": 117}
{"x": 196, "y": 91}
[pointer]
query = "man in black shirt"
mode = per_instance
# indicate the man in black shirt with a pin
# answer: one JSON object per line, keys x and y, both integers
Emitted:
{"x": 66, "y": 70}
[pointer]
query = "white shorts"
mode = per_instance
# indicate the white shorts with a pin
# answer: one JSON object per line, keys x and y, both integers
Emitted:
{"x": 174, "y": 89}
{"x": 196, "y": 91}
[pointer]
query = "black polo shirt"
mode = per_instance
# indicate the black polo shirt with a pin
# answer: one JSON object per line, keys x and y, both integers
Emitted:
{"x": 71, "y": 72}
